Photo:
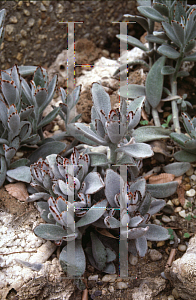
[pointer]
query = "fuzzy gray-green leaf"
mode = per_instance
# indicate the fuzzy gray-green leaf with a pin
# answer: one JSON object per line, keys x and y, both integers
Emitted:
{"x": 93, "y": 214}
{"x": 177, "y": 168}
{"x": 140, "y": 20}
{"x": 99, "y": 252}
{"x": 154, "y": 83}
{"x": 162, "y": 190}
{"x": 101, "y": 99}
{"x": 132, "y": 91}
{"x": 49, "y": 118}
{"x": 20, "y": 174}
{"x": 151, "y": 13}
{"x": 46, "y": 149}
{"x": 162, "y": 9}
{"x": 168, "y": 51}
{"x": 132, "y": 41}
{"x": 150, "y": 133}
{"x": 191, "y": 57}
{"x": 98, "y": 159}
{"x": 10, "y": 92}
{"x": 185, "y": 156}
{"x": 156, "y": 233}
{"x": 50, "y": 232}
{"x": 170, "y": 33}
{"x": 167, "y": 70}
{"x": 137, "y": 150}
{"x": 3, "y": 171}
{"x": 77, "y": 265}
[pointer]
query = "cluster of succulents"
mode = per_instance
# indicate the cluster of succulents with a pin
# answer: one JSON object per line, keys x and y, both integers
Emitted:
{"x": 167, "y": 49}
{"x": 76, "y": 198}
{"x": 21, "y": 120}
{"x": 186, "y": 141}
{"x": 82, "y": 191}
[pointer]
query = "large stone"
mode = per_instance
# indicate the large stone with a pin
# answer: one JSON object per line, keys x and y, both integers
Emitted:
{"x": 182, "y": 273}
{"x": 149, "y": 288}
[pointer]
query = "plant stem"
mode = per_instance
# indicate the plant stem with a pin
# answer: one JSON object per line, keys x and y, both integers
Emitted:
{"x": 156, "y": 117}
{"x": 174, "y": 105}
{"x": 113, "y": 154}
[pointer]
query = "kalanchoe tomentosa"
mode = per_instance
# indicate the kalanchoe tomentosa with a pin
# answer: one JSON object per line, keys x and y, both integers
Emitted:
{"x": 22, "y": 122}
{"x": 174, "y": 44}
{"x": 113, "y": 128}
{"x": 186, "y": 142}
{"x": 59, "y": 182}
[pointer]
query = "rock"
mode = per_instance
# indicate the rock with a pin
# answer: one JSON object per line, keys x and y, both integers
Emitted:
{"x": 182, "y": 248}
{"x": 93, "y": 277}
{"x": 149, "y": 288}
{"x": 166, "y": 219}
{"x": 121, "y": 285}
{"x": 182, "y": 213}
{"x": 133, "y": 259}
{"x": 109, "y": 278}
{"x": 160, "y": 244}
{"x": 154, "y": 255}
{"x": 31, "y": 22}
{"x": 13, "y": 20}
{"x": 190, "y": 193}
{"x": 111, "y": 289}
{"x": 17, "y": 236}
{"x": 178, "y": 209}
{"x": 182, "y": 273}
{"x": 170, "y": 297}
{"x": 190, "y": 171}
{"x": 193, "y": 177}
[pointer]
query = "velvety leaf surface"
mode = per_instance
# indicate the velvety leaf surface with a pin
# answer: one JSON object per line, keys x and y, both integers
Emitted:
{"x": 77, "y": 265}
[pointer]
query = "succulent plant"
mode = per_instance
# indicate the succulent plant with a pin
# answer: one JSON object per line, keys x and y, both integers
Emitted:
{"x": 167, "y": 49}
{"x": 55, "y": 183}
{"x": 186, "y": 141}
{"x": 113, "y": 129}
{"x": 21, "y": 121}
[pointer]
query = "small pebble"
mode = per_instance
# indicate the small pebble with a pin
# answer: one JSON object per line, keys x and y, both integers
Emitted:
{"x": 182, "y": 213}
{"x": 26, "y": 12}
{"x": 190, "y": 171}
{"x": 111, "y": 289}
{"x": 175, "y": 293}
{"x": 170, "y": 203}
{"x": 13, "y": 20}
{"x": 19, "y": 154}
{"x": 193, "y": 177}
{"x": 133, "y": 259}
{"x": 104, "y": 291}
{"x": 178, "y": 209}
{"x": 173, "y": 218}
{"x": 190, "y": 193}
{"x": 187, "y": 186}
{"x": 176, "y": 201}
{"x": 155, "y": 255}
{"x": 121, "y": 285}
{"x": 31, "y": 22}
{"x": 182, "y": 248}
{"x": 149, "y": 243}
{"x": 156, "y": 222}
{"x": 55, "y": 128}
{"x": 161, "y": 243}
{"x": 170, "y": 297}
{"x": 109, "y": 278}
{"x": 165, "y": 219}
{"x": 93, "y": 277}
